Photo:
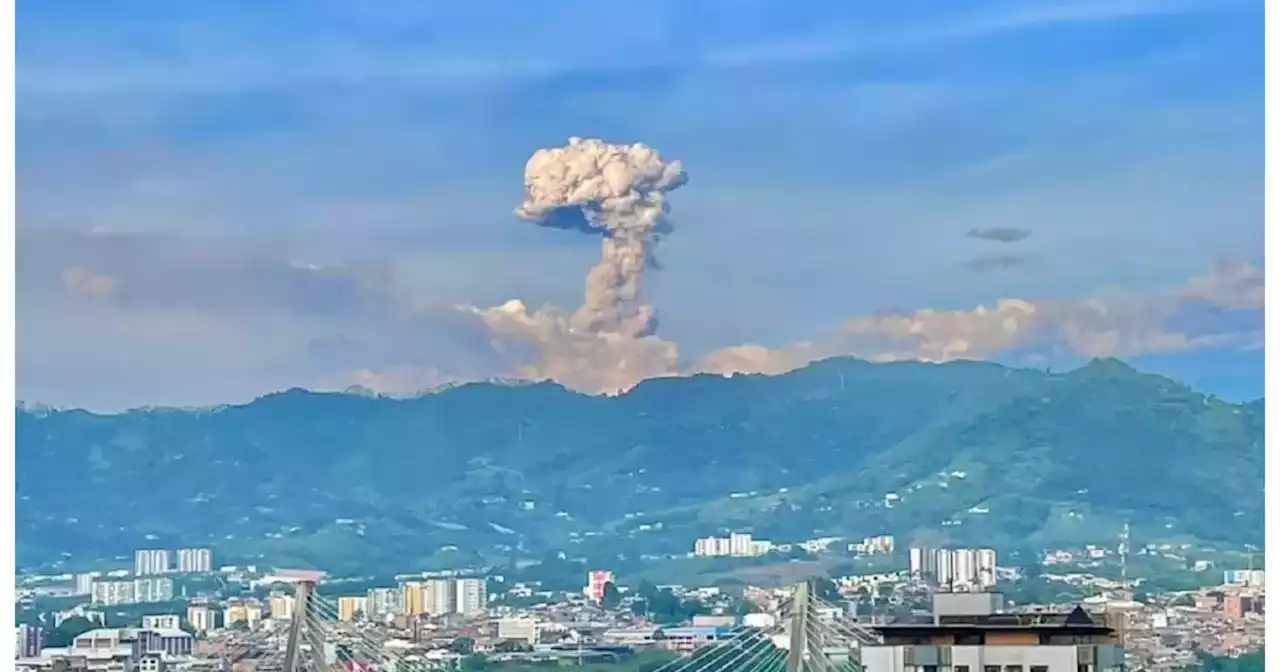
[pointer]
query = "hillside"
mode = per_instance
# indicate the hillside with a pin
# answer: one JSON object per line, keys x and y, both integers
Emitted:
{"x": 973, "y": 451}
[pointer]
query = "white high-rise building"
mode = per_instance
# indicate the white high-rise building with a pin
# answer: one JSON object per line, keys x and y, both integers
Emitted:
{"x": 471, "y": 597}
{"x": 923, "y": 562}
{"x": 162, "y": 622}
{"x": 384, "y": 602}
{"x": 84, "y": 582}
{"x": 201, "y": 617}
{"x": 438, "y": 597}
{"x": 962, "y": 569}
{"x": 111, "y": 593}
{"x": 153, "y": 590}
{"x": 195, "y": 560}
{"x": 986, "y": 568}
{"x": 150, "y": 561}
{"x": 737, "y": 544}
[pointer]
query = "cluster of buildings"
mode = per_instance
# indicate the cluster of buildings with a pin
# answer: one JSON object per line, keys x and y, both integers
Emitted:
{"x": 131, "y": 591}
{"x": 154, "y": 647}
{"x": 957, "y": 569}
{"x": 1244, "y": 577}
{"x": 147, "y": 562}
{"x": 877, "y": 545}
{"x": 440, "y": 597}
{"x": 736, "y": 545}
{"x": 148, "y": 582}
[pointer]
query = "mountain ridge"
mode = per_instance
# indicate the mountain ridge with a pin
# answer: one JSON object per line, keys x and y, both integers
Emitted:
{"x": 818, "y": 450}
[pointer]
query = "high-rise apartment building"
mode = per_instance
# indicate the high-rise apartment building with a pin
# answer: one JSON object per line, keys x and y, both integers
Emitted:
{"x": 351, "y": 607}
{"x": 195, "y": 560}
{"x": 956, "y": 569}
{"x": 111, "y": 593}
{"x": 737, "y": 544}
{"x": 439, "y": 597}
{"x": 471, "y": 597}
{"x": 30, "y": 641}
{"x": 384, "y": 602}
{"x": 248, "y": 612}
{"x": 153, "y": 590}
{"x": 150, "y": 561}
{"x": 162, "y": 622}
{"x": 281, "y": 606}
{"x": 413, "y": 595}
{"x": 201, "y": 617}
{"x": 84, "y": 582}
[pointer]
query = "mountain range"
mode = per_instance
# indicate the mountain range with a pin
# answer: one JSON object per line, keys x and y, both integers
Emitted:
{"x": 963, "y": 452}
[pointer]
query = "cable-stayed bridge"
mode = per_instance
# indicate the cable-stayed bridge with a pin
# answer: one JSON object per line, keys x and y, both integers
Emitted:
{"x": 808, "y": 635}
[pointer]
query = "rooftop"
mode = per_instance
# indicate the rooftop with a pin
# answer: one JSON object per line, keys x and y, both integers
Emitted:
{"x": 1077, "y": 620}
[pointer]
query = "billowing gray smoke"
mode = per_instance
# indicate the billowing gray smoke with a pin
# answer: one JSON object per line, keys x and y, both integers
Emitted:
{"x": 619, "y": 192}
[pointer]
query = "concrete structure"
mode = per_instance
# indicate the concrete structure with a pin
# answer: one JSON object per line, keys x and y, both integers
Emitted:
{"x": 111, "y": 649}
{"x": 518, "y": 628}
{"x": 306, "y": 642}
{"x": 991, "y": 642}
{"x": 947, "y": 604}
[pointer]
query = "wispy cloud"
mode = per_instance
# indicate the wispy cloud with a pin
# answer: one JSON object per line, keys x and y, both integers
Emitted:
{"x": 999, "y": 234}
{"x": 218, "y": 65}
{"x": 997, "y": 262}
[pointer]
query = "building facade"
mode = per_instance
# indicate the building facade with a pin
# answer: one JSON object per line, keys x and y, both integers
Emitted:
{"x": 967, "y": 634}
{"x": 195, "y": 560}
{"x": 150, "y": 561}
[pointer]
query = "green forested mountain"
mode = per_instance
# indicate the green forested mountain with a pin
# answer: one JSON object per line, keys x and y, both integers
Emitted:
{"x": 970, "y": 452}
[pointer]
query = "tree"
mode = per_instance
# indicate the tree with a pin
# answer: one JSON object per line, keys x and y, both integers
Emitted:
{"x": 462, "y": 645}
{"x": 510, "y": 646}
{"x": 826, "y": 589}
{"x": 611, "y": 597}
{"x": 68, "y": 630}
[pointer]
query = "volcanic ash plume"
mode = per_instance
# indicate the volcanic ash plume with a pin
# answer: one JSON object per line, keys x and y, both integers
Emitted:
{"x": 618, "y": 191}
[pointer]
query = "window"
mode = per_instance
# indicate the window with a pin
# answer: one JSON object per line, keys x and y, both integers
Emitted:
{"x": 1039, "y": 668}
{"x": 970, "y": 639}
{"x": 961, "y": 668}
{"x": 990, "y": 668}
{"x": 1012, "y": 668}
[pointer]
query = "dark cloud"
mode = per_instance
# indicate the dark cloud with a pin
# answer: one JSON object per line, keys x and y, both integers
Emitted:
{"x": 999, "y": 234}
{"x": 996, "y": 262}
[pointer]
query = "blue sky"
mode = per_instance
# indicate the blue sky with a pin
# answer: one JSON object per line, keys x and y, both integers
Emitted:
{"x": 198, "y": 157}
